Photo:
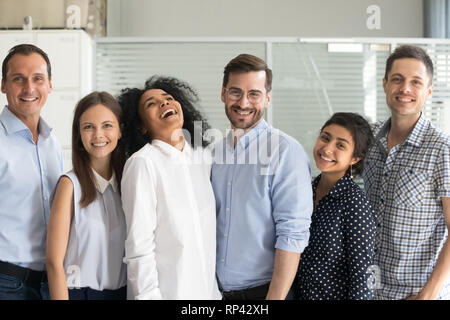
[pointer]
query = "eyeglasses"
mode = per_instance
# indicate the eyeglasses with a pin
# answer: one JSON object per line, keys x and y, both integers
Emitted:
{"x": 235, "y": 94}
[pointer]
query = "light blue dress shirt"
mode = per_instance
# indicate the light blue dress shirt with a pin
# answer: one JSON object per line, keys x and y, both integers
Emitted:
{"x": 28, "y": 175}
{"x": 263, "y": 202}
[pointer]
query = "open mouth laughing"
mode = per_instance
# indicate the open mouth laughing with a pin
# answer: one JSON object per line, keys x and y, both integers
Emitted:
{"x": 167, "y": 113}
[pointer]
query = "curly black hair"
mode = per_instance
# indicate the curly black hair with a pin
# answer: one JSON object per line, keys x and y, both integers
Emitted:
{"x": 128, "y": 99}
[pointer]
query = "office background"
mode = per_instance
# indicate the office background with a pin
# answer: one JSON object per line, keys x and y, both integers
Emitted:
{"x": 327, "y": 55}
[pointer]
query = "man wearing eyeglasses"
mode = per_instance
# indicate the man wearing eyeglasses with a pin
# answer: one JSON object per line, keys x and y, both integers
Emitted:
{"x": 262, "y": 183}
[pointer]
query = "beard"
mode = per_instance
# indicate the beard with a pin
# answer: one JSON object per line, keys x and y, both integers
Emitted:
{"x": 244, "y": 122}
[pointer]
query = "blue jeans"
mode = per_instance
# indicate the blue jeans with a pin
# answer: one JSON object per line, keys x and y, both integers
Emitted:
{"x": 14, "y": 289}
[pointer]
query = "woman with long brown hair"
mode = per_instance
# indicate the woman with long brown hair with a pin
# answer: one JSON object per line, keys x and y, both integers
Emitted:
{"x": 86, "y": 231}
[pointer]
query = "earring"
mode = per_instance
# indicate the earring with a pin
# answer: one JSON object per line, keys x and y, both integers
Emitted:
{"x": 351, "y": 173}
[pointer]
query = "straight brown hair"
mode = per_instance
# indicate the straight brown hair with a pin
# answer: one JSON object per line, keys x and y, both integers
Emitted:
{"x": 80, "y": 157}
{"x": 244, "y": 63}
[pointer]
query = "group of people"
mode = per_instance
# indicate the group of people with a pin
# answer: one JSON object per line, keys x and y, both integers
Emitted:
{"x": 148, "y": 212}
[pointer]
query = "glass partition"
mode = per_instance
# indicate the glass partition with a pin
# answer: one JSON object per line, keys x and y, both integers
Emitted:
{"x": 312, "y": 78}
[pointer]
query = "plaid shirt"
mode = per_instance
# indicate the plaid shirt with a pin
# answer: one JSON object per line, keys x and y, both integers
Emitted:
{"x": 405, "y": 188}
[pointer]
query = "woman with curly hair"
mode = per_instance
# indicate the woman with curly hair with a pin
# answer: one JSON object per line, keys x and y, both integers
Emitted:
{"x": 167, "y": 195}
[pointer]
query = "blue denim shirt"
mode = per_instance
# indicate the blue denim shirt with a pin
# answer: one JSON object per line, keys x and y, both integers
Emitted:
{"x": 263, "y": 202}
{"x": 28, "y": 175}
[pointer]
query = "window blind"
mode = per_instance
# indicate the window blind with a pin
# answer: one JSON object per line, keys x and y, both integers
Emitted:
{"x": 310, "y": 81}
{"x": 121, "y": 65}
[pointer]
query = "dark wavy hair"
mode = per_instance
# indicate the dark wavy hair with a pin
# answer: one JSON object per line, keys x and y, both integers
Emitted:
{"x": 80, "y": 157}
{"x": 361, "y": 133}
{"x": 129, "y": 98}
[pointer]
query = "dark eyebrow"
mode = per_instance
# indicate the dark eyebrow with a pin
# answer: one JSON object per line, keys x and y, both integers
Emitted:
{"x": 151, "y": 98}
{"x": 251, "y": 90}
{"x": 340, "y": 139}
{"x": 18, "y": 74}
{"x": 106, "y": 121}
{"x": 400, "y": 75}
{"x": 33, "y": 75}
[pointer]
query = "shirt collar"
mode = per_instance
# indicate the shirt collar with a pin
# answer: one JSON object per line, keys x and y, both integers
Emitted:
{"x": 170, "y": 150}
{"x": 248, "y": 136}
{"x": 339, "y": 189}
{"x": 101, "y": 183}
{"x": 13, "y": 124}
{"x": 415, "y": 137}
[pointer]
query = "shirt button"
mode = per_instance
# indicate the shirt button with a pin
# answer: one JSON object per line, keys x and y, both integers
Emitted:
{"x": 228, "y": 209}
{"x": 229, "y": 183}
{"x": 222, "y": 260}
{"x": 225, "y": 235}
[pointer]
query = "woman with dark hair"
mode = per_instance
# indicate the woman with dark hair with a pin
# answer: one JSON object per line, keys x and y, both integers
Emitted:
{"x": 86, "y": 231}
{"x": 337, "y": 263}
{"x": 180, "y": 91}
{"x": 167, "y": 195}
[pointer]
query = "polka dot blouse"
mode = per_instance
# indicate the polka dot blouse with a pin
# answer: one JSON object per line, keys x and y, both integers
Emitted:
{"x": 335, "y": 264}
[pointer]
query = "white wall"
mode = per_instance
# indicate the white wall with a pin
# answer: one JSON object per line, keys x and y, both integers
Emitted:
{"x": 44, "y": 13}
{"x": 253, "y": 18}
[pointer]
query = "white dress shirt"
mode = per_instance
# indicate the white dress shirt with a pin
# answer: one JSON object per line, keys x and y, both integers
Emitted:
{"x": 170, "y": 214}
{"x": 96, "y": 247}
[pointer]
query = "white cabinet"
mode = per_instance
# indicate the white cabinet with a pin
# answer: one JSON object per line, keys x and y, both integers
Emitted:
{"x": 63, "y": 51}
{"x": 71, "y": 54}
{"x": 58, "y": 113}
{"x": 10, "y": 39}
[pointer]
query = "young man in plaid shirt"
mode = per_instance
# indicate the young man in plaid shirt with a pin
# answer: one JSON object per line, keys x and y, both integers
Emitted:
{"x": 407, "y": 178}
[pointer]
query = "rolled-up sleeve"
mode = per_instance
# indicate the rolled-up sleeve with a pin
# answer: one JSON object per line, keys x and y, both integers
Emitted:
{"x": 292, "y": 197}
{"x": 441, "y": 172}
{"x": 139, "y": 205}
